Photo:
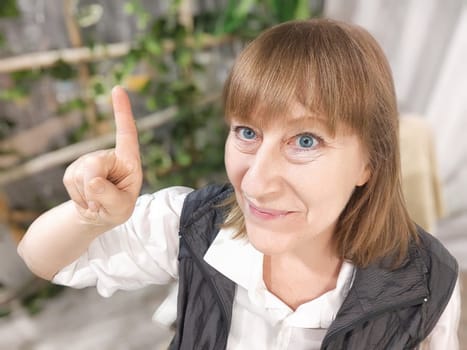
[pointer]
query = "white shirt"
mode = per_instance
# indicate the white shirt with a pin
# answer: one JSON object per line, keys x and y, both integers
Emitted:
{"x": 144, "y": 251}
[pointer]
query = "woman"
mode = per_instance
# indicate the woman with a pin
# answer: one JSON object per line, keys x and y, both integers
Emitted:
{"x": 308, "y": 247}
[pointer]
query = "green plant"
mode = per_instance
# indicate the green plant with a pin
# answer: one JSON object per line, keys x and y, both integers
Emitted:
{"x": 174, "y": 155}
{"x": 34, "y": 302}
{"x": 9, "y": 8}
{"x": 166, "y": 52}
{"x": 191, "y": 148}
{"x": 188, "y": 150}
{"x": 247, "y": 18}
{"x": 6, "y": 125}
{"x": 24, "y": 80}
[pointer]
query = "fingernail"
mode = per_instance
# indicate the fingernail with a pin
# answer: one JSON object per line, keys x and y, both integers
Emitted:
{"x": 96, "y": 186}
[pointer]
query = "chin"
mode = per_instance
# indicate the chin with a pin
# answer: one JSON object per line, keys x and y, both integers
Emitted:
{"x": 268, "y": 250}
{"x": 268, "y": 242}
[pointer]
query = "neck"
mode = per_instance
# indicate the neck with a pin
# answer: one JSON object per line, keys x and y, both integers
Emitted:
{"x": 302, "y": 275}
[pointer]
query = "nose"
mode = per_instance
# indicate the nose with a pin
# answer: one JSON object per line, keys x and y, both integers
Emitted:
{"x": 263, "y": 176}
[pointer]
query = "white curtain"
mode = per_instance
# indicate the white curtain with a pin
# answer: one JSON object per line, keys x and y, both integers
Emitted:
{"x": 426, "y": 44}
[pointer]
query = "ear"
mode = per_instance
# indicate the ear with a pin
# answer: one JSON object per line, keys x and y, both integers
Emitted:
{"x": 364, "y": 176}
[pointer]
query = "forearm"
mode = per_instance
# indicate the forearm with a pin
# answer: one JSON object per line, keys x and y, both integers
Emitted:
{"x": 55, "y": 239}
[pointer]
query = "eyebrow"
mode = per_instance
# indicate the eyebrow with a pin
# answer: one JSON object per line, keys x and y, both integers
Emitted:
{"x": 298, "y": 121}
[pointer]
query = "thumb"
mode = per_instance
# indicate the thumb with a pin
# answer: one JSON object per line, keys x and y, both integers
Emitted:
{"x": 103, "y": 194}
{"x": 95, "y": 183}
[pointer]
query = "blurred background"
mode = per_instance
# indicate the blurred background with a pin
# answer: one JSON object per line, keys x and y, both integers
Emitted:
{"x": 60, "y": 58}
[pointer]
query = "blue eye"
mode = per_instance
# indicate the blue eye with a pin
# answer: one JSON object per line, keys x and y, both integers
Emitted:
{"x": 306, "y": 141}
{"x": 246, "y": 133}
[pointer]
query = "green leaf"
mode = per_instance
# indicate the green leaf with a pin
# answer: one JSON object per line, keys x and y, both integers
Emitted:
{"x": 235, "y": 15}
{"x": 151, "y": 104}
{"x": 98, "y": 88}
{"x": 62, "y": 71}
{"x": 302, "y": 10}
{"x": 146, "y": 137}
{"x": 129, "y": 7}
{"x": 12, "y": 94}
{"x": 153, "y": 47}
{"x": 4, "y": 311}
{"x": 289, "y": 10}
{"x": 183, "y": 57}
{"x": 2, "y": 41}
{"x": 183, "y": 158}
{"x": 77, "y": 104}
{"x": 9, "y": 8}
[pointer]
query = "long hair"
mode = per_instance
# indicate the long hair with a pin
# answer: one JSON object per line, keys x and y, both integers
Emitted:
{"x": 339, "y": 71}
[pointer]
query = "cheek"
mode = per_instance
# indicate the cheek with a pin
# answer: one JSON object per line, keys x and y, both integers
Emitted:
{"x": 325, "y": 186}
{"x": 234, "y": 164}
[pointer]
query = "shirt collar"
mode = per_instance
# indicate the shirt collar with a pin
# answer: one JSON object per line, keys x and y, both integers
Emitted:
{"x": 239, "y": 261}
{"x": 235, "y": 258}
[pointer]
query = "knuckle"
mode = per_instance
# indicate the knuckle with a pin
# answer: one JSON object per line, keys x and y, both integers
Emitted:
{"x": 88, "y": 160}
{"x": 67, "y": 179}
{"x": 96, "y": 159}
{"x": 73, "y": 177}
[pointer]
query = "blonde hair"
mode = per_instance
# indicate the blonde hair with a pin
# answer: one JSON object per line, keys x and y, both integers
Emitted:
{"x": 336, "y": 70}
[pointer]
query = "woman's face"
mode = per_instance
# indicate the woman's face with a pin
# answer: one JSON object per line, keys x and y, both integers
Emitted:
{"x": 292, "y": 179}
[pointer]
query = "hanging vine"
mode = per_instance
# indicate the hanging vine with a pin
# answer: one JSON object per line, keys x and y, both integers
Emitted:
{"x": 162, "y": 69}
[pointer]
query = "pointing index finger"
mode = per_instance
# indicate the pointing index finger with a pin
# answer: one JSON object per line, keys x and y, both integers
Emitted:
{"x": 126, "y": 138}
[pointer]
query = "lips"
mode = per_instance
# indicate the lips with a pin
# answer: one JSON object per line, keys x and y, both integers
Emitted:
{"x": 265, "y": 213}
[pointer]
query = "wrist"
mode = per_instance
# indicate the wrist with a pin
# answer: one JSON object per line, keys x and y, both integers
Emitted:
{"x": 91, "y": 223}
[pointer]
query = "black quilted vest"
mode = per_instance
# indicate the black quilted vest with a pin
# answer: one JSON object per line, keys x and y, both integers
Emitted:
{"x": 383, "y": 310}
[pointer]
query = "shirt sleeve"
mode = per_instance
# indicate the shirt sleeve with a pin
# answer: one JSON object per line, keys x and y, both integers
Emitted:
{"x": 140, "y": 252}
{"x": 444, "y": 334}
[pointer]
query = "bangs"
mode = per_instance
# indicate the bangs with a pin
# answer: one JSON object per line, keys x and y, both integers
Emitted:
{"x": 267, "y": 81}
{"x": 315, "y": 63}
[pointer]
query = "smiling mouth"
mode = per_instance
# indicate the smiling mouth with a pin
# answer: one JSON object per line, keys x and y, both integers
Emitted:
{"x": 267, "y": 214}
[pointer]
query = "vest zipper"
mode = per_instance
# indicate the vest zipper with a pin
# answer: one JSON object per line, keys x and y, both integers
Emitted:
{"x": 333, "y": 334}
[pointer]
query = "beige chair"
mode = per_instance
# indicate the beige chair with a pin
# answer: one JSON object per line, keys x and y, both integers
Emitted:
{"x": 420, "y": 177}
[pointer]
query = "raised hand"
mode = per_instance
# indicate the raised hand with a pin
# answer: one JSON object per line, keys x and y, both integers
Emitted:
{"x": 105, "y": 184}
